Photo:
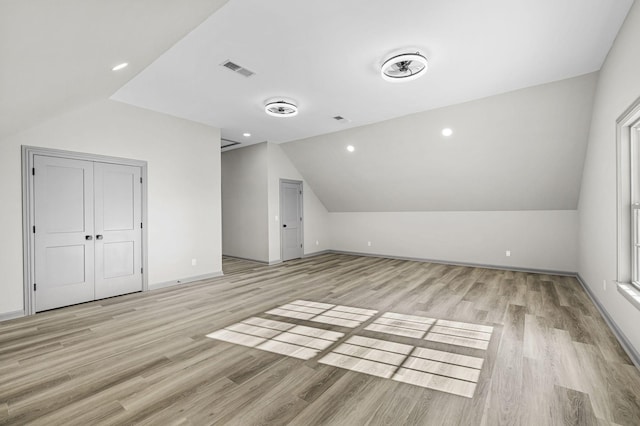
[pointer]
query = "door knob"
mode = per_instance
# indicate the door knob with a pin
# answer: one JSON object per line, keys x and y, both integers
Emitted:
{"x": 98, "y": 237}
{"x": 284, "y": 226}
{"x": 88, "y": 237}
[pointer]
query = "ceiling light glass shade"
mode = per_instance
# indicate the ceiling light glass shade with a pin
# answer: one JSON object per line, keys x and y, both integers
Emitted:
{"x": 281, "y": 109}
{"x": 404, "y": 67}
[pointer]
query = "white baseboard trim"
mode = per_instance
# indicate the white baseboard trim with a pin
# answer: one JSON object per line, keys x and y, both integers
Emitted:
{"x": 264, "y": 262}
{"x": 6, "y": 316}
{"x": 317, "y": 253}
{"x": 279, "y": 261}
{"x": 181, "y": 281}
{"x": 470, "y": 264}
{"x": 624, "y": 342}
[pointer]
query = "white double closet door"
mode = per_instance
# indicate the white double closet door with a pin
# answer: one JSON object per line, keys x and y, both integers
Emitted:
{"x": 88, "y": 220}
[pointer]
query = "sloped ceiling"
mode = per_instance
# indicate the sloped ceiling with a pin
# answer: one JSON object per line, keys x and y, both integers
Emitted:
{"x": 522, "y": 150}
{"x": 57, "y": 55}
{"x": 326, "y": 55}
{"x": 512, "y": 151}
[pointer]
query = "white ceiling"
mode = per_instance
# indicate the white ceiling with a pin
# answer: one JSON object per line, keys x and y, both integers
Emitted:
{"x": 326, "y": 56}
{"x": 57, "y": 55}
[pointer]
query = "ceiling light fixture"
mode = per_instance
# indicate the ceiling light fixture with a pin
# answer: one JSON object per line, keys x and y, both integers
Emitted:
{"x": 281, "y": 109}
{"x": 119, "y": 67}
{"x": 246, "y": 135}
{"x": 404, "y": 67}
{"x": 350, "y": 148}
{"x": 447, "y": 131}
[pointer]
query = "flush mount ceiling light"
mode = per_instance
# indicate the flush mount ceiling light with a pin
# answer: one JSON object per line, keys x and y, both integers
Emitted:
{"x": 281, "y": 108}
{"x": 447, "y": 132}
{"x": 404, "y": 67}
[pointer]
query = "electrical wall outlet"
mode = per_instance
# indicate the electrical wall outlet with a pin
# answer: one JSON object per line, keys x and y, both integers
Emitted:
{"x": 369, "y": 243}
{"x": 317, "y": 242}
{"x": 507, "y": 253}
{"x": 604, "y": 285}
{"x": 194, "y": 262}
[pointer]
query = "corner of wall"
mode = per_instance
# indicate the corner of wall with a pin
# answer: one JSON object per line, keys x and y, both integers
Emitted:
{"x": 316, "y": 226}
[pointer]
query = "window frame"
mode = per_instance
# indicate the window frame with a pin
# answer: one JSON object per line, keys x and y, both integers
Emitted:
{"x": 634, "y": 185}
{"x": 628, "y": 197}
{"x": 635, "y": 245}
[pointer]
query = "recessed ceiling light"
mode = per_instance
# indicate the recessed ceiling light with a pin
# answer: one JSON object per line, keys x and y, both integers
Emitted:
{"x": 404, "y": 67}
{"x": 119, "y": 67}
{"x": 281, "y": 109}
{"x": 447, "y": 131}
{"x": 350, "y": 148}
{"x": 246, "y": 135}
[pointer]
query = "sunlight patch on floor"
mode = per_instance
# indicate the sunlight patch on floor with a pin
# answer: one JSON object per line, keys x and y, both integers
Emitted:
{"x": 344, "y": 316}
{"x": 292, "y": 340}
{"x": 428, "y": 368}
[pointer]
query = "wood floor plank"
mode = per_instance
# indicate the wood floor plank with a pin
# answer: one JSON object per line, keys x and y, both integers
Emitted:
{"x": 548, "y": 357}
{"x": 576, "y": 407}
{"x": 505, "y": 400}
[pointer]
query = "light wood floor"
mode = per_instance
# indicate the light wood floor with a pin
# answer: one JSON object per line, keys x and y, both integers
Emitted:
{"x": 145, "y": 358}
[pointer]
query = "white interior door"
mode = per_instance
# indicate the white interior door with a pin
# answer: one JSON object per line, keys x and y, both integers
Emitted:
{"x": 63, "y": 218}
{"x": 291, "y": 216}
{"x": 118, "y": 228}
{"x": 88, "y": 230}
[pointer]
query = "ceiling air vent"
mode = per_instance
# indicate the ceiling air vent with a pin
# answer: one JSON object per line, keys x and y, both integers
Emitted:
{"x": 341, "y": 119}
{"x": 245, "y": 72}
{"x": 237, "y": 68}
{"x": 231, "y": 66}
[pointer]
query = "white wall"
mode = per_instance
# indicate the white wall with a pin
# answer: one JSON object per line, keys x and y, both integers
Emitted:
{"x": 251, "y": 202}
{"x": 244, "y": 203}
{"x": 522, "y": 150}
{"x": 183, "y": 186}
{"x": 316, "y": 217}
{"x": 545, "y": 240}
{"x": 618, "y": 86}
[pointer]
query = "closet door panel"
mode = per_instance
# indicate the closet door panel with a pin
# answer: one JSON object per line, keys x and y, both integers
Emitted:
{"x": 63, "y": 217}
{"x": 118, "y": 223}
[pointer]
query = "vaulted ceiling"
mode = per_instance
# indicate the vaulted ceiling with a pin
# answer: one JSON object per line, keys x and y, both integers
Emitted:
{"x": 58, "y": 55}
{"x": 326, "y": 55}
{"x": 512, "y": 79}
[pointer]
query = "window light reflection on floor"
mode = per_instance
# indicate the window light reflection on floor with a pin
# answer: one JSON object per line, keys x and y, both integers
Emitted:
{"x": 428, "y": 368}
{"x": 279, "y": 337}
{"x": 469, "y": 335}
{"x": 344, "y": 316}
{"x": 461, "y": 334}
{"x": 401, "y": 325}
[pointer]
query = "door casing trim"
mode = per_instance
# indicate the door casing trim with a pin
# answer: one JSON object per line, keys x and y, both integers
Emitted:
{"x": 28, "y": 239}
